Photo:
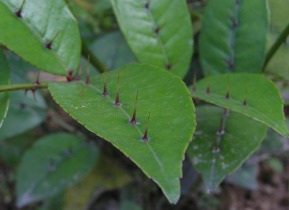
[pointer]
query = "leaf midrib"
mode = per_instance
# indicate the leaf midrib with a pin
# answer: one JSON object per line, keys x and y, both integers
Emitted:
{"x": 154, "y": 154}
{"x": 37, "y": 36}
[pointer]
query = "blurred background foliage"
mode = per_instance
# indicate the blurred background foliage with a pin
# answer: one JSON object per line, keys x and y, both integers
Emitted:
{"x": 115, "y": 183}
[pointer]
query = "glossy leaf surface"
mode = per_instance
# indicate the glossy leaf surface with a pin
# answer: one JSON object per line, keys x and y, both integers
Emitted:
{"x": 250, "y": 94}
{"x": 161, "y": 95}
{"x": 158, "y": 32}
{"x": 44, "y": 33}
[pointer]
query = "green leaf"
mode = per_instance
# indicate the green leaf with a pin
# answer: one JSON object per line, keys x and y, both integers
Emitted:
{"x": 234, "y": 36}
{"x": 107, "y": 175}
{"x": 279, "y": 64}
{"x": 217, "y": 153}
{"x": 4, "y": 80}
{"x": 113, "y": 50}
{"x": 250, "y": 94}
{"x": 24, "y": 113}
{"x": 158, "y": 32}
{"x": 52, "y": 164}
{"x": 161, "y": 95}
{"x": 246, "y": 176}
{"x": 42, "y": 22}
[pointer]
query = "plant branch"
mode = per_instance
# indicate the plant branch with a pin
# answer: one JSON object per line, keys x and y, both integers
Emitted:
{"x": 5, "y": 88}
{"x": 281, "y": 39}
{"x": 92, "y": 58}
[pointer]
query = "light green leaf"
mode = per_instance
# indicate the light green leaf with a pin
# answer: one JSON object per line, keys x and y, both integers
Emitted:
{"x": 217, "y": 152}
{"x": 158, "y": 32}
{"x": 24, "y": 113}
{"x": 4, "y": 80}
{"x": 234, "y": 36}
{"x": 250, "y": 94}
{"x": 41, "y": 23}
{"x": 52, "y": 164}
{"x": 161, "y": 95}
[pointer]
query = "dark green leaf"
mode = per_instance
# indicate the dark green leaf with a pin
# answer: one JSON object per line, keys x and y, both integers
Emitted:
{"x": 4, "y": 80}
{"x": 250, "y": 94}
{"x": 234, "y": 36}
{"x": 161, "y": 95}
{"x": 113, "y": 50}
{"x": 24, "y": 113}
{"x": 159, "y": 32}
{"x": 53, "y": 163}
{"x": 217, "y": 152}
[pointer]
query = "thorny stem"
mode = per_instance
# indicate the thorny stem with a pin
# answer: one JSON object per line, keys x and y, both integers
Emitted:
{"x": 281, "y": 39}
{"x": 93, "y": 59}
{"x": 4, "y": 88}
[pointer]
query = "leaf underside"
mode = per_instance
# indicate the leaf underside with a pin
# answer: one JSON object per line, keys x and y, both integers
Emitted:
{"x": 232, "y": 32}
{"x": 24, "y": 113}
{"x": 42, "y": 25}
{"x": 5, "y": 80}
{"x": 52, "y": 164}
{"x": 160, "y": 94}
{"x": 250, "y": 94}
{"x": 216, "y": 156}
{"x": 158, "y": 32}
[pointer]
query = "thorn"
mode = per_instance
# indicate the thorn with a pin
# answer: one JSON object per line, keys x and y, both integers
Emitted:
{"x": 194, "y": 81}
{"x": 33, "y": 93}
{"x": 22, "y": 105}
{"x": 133, "y": 119}
{"x": 69, "y": 76}
{"x": 117, "y": 101}
{"x": 105, "y": 92}
{"x": 234, "y": 22}
{"x": 145, "y": 136}
{"x": 87, "y": 80}
{"x": 230, "y": 64}
{"x": 79, "y": 74}
{"x": 19, "y": 12}
{"x": 49, "y": 44}
{"x": 245, "y": 102}
{"x": 157, "y": 30}
{"x": 37, "y": 80}
{"x": 227, "y": 95}
{"x": 147, "y": 5}
{"x": 208, "y": 91}
{"x": 169, "y": 66}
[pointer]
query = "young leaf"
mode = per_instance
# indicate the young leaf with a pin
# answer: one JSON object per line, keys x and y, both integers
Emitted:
{"x": 53, "y": 163}
{"x": 159, "y": 32}
{"x": 250, "y": 94}
{"x": 44, "y": 33}
{"x": 234, "y": 36}
{"x": 164, "y": 109}
{"x": 222, "y": 142}
{"x": 24, "y": 113}
{"x": 4, "y": 80}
